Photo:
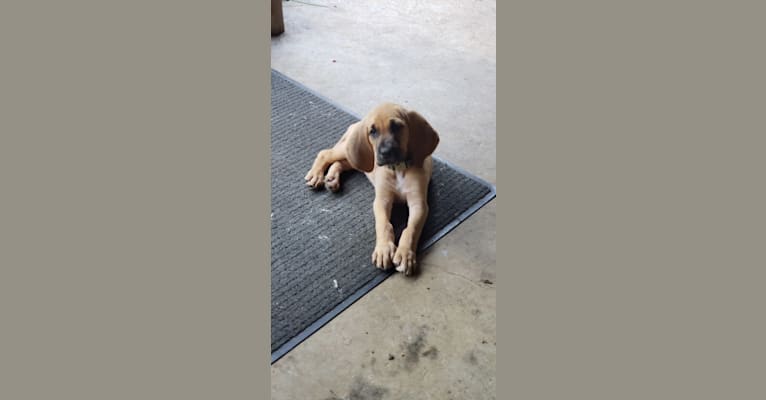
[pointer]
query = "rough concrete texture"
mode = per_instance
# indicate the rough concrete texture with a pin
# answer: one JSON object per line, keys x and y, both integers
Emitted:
{"x": 432, "y": 336}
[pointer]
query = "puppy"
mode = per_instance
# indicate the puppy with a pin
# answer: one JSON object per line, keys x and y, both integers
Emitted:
{"x": 393, "y": 147}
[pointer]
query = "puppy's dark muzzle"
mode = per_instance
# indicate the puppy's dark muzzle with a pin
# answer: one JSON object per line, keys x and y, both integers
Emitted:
{"x": 389, "y": 153}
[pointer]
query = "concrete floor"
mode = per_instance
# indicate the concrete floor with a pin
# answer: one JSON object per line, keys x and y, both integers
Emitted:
{"x": 431, "y": 337}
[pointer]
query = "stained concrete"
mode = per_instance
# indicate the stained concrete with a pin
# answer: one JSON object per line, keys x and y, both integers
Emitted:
{"x": 431, "y": 337}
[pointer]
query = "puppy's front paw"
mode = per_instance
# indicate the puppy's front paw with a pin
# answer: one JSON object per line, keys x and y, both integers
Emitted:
{"x": 383, "y": 254}
{"x": 405, "y": 260}
{"x": 315, "y": 178}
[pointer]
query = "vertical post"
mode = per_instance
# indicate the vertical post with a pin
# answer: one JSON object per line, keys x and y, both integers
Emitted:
{"x": 277, "y": 21}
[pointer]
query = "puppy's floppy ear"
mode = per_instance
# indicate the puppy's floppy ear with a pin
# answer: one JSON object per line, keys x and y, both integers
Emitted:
{"x": 423, "y": 138}
{"x": 359, "y": 151}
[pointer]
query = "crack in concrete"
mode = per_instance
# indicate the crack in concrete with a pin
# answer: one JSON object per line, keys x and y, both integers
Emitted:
{"x": 462, "y": 277}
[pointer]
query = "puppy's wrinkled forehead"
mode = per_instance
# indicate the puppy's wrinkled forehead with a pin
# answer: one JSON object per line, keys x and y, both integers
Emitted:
{"x": 387, "y": 118}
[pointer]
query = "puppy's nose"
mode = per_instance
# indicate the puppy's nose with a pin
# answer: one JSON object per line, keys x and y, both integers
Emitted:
{"x": 387, "y": 149}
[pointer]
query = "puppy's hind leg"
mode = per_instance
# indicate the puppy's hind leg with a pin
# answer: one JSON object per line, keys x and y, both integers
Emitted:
{"x": 316, "y": 175}
{"x": 332, "y": 179}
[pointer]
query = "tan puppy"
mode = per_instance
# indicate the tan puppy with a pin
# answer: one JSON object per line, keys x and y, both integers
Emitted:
{"x": 393, "y": 147}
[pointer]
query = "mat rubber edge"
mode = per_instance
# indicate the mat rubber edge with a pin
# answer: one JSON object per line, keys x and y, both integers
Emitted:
{"x": 377, "y": 280}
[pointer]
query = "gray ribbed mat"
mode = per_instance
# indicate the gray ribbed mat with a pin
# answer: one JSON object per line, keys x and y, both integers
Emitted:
{"x": 320, "y": 238}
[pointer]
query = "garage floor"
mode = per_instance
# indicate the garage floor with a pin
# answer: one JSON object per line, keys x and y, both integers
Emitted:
{"x": 432, "y": 337}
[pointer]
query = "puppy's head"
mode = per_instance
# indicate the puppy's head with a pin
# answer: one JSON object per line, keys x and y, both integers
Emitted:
{"x": 389, "y": 135}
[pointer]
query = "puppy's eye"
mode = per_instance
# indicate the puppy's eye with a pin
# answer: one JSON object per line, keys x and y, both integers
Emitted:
{"x": 373, "y": 131}
{"x": 395, "y": 126}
